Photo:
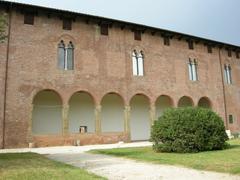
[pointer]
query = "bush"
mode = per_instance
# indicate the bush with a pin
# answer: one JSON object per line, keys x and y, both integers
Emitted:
{"x": 188, "y": 130}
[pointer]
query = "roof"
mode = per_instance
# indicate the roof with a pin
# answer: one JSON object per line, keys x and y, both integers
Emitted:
{"x": 123, "y": 24}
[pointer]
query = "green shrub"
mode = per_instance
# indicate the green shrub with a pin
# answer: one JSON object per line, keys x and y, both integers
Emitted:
{"x": 188, "y": 130}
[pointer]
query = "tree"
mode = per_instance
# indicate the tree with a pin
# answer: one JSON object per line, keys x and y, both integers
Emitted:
{"x": 3, "y": 25}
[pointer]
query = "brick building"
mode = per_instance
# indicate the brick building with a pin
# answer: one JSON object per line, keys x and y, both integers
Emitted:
{"x": 67, "y": 76}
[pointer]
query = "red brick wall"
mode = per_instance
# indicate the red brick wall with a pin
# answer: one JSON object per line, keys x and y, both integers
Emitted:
{"x": 102, "y": 65}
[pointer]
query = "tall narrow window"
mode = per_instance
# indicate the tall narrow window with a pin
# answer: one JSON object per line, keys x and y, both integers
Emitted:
{"x": 137, "y": 35}
{"x": 192, "y": 70}
{"x": 61, "y": 55}
{"x": 65, "y": 56}
{"x": 70, "y": 55}
{"x": 138, "y": 63}
{"x": 228, "y": 74}
{"x": 29, "y": 18}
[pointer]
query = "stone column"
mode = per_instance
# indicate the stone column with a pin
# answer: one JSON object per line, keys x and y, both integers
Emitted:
{"x": 127, "y": 121}
{"x": 98, "y": 110}
{"x": 65, "y": 112}
{"x": 152, "y": 113}
{"x": 30, "y": 134}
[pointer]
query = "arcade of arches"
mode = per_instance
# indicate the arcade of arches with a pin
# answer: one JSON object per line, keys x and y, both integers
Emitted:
{"x": 112, "y": 115}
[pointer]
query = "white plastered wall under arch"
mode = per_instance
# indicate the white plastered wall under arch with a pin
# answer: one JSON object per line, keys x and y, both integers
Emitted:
{"x": 47, "y": 113}
{"x": 112, "y": 115}
{"x": 139, "y": 118}
{"x": 81, "y": 112}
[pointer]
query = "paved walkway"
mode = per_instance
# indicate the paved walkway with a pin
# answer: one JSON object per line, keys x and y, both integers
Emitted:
{"x": 124, "y": 169}
{"x": 75, "y": 149}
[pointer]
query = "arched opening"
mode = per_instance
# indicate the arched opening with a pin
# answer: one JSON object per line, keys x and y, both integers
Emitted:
{"x": 47, "y": 113}
{"x": 81, "y": 113}
{"x": 112, "y": 115}
{"x": 204, "y": 102}
{"x": 140, "y": 118}
{"x": 162, "y": 103}
{"x": 185, "y": 102}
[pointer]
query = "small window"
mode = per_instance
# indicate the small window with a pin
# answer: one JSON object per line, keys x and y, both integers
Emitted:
{"x": 137, "y": 35}
{"x": 209, "y": 48}
{"x": 65, "y": 56}
{"x": 29, "y": 18}
{"x": 228, "y": 74}
{"x": 104, "y": 29}
{"x": 67, "y": 24}
{"x": 138, "y": 63}
{"x": 229, "y": 53}
{"x": 166, "y": 41}
{"x": 237, "y": 54}
{"x": 192, "y": 70}
{"x": 190, "y": 44}
{"x": 230, "y": 119}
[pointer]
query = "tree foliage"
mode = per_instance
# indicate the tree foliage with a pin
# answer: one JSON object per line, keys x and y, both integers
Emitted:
{"x": 188, "y": 130}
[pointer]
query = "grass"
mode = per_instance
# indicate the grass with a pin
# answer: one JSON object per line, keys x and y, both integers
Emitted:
{"x": 29, "y": 166}
{"x": 227, "y": 161}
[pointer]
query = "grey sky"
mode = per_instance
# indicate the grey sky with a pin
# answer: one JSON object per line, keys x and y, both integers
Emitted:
{"x": 213, "y": 19}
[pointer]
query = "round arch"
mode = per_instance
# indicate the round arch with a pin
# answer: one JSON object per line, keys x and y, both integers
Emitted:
{"x": 83, "y": 91}
{"x": 140, "y": 123}
{"x": 112, "y": 114}
{"x": 162, "y": 103}
{"x": 47, "y": 113}
{"x": 205, "y": 102}
{"x": 81, "y": 112}
{"x": 185, "y": 101}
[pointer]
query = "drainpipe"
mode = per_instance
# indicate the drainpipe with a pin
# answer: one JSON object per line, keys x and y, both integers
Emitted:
{"x": 224, "y": 92}
{"x": 6, "y": 75}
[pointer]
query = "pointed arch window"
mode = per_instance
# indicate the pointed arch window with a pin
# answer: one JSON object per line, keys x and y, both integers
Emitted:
{"x": 228, "y": 74}
{"x": 66, "y": 56}
{"x": 192, "y": 69}
{"x": 138, "y": 63}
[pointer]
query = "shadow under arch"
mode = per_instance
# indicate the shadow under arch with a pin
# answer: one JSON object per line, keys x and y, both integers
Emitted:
{"x": 205, "y": 102}
{"x": 162, "y": 103}
{"x": 185, "y": 101}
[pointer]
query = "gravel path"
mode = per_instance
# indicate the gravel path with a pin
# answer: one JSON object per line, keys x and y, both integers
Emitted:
{"x": 124, "y": 169}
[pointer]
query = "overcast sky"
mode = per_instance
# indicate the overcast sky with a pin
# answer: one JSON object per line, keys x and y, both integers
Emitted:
{"x": 213, "y": 19}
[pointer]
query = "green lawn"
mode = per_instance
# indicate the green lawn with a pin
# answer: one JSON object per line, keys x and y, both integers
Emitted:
{"x": 30, "y": 166}
{"x": 221, "y": 161}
